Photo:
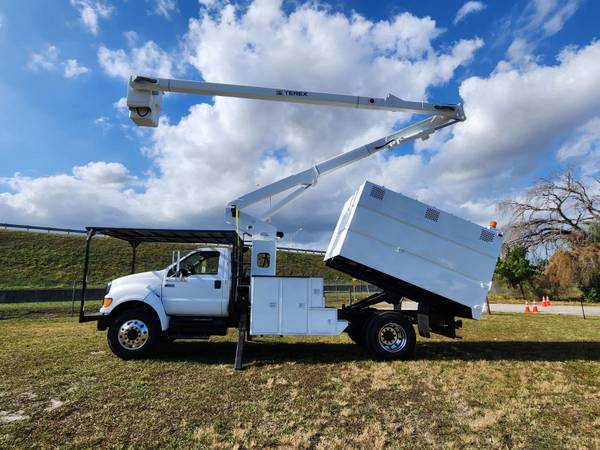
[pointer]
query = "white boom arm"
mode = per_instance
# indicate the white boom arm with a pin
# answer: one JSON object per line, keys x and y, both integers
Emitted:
{"x": 144, "y": 99}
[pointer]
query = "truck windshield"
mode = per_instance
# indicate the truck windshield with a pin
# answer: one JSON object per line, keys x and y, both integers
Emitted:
{"x": 199, "y": 263}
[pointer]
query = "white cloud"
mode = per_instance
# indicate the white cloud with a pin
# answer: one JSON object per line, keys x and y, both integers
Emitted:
{"x": 49, "y": 59}
{"x": 98, "y": 192}
{"x": 73, "y": 69}
{"x": 148, "y": 59}
{"x": 103, "y": 122}
{"x": 164, "y": 8}
{"x": 209, "y": 3}
{"x": 102, "y": 173}
{"x": 520, "y": 53}
{"x": 514, "y": 117}
{"x": 539, "y": 20}
{"x": 555, "y": 22}
{"x": 583, "y": 148}
{"x": 121, "y": 105}
{"x": 132, "y": 38}
{"x": 221, "y": 150}
{"x": 90, "y": 11}
{"x": 549, "y": 16}
{"x": 470, "y": 7}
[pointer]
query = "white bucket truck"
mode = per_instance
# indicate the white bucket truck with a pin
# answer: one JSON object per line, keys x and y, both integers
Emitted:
{"x": 408, "y": 249}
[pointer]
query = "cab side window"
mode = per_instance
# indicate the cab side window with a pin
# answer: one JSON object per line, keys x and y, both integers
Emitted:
{"x": 200, "y": 263}
{"x": 208, "y": 265}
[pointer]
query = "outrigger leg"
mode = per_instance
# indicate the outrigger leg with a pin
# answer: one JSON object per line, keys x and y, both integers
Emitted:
{"x": 239, "y": 351}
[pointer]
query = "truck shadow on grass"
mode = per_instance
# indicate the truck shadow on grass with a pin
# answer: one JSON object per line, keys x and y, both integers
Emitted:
{"x": 261, "y": 353}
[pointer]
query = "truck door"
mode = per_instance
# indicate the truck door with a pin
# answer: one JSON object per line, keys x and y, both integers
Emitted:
{"x": 199, "y": 288}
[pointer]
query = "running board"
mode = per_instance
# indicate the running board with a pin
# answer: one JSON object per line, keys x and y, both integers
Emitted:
{"x": 192, "y": 327}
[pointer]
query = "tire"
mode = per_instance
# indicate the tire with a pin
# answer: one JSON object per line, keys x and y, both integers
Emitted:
{"x": 355, "y": 332}
{"x": 134, "y": 333}
{"x": 390, "y": 335}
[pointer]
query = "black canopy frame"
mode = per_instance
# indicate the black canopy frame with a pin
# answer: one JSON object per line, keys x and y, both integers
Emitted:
{"x": 137, "y": 236}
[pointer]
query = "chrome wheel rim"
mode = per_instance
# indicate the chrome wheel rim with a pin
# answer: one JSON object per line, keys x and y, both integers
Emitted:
{"x": 392, "y": 337}
{"x": 133, "y": 334}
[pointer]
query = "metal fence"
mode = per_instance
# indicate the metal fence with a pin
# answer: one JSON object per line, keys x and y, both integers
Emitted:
{"x": 36, "y": 228}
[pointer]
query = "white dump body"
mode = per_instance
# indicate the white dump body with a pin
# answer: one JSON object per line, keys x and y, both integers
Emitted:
{"x": 425, "y": 251}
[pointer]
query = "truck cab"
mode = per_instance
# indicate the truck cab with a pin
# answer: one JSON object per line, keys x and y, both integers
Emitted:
{"x": 205, "y": 292}
{"x": 197, "y": 284}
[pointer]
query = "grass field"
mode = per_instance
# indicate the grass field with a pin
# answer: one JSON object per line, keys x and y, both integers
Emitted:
{"x": 514, "y": 381}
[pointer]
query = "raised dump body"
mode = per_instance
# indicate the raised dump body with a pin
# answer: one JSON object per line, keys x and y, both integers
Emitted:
{"x": 415, "y": 250}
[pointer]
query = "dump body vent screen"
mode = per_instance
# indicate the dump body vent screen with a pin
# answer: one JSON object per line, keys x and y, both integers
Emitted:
{"x": 377, "y": 192}
{"x": 432, "y": 214}
{"x": 486, "y": 236}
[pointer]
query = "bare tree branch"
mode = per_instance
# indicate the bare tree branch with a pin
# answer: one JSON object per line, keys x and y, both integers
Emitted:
{"x": 555, "y": 213}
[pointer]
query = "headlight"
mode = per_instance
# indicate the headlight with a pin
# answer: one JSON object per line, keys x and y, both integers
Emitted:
{"x": 108, "y": 288}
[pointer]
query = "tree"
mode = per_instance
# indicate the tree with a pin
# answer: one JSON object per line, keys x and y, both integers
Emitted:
{"x": 579, "y": 267}
{"x": 516, "y": 269}
{"x": 556, "y": 213}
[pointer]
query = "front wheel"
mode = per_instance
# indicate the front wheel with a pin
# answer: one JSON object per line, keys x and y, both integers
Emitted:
{"x": 390, "y": 336}
{"x": 134, "y": 333}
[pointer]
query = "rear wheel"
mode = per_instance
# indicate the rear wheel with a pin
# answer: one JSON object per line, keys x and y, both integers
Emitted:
{"x": 390, "y": 336}
{"x": 134, "y": 333}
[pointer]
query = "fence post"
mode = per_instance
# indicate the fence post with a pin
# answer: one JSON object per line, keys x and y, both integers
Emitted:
{"x": 73, "y": 300}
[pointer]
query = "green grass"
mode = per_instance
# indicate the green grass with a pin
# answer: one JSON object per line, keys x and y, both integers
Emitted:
{"x": 514, "y": 381}
{"x": 40, "y": 309}
{"x": 37, "y": 260}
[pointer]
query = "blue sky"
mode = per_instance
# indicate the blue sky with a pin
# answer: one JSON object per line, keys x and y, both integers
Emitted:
{"x": 62, "y": 77}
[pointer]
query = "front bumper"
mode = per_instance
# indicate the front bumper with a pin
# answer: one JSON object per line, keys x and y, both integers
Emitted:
{"x": 101, "y": 319}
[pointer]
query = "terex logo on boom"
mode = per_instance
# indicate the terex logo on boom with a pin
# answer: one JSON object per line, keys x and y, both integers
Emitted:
{"x": 296, "y": 93}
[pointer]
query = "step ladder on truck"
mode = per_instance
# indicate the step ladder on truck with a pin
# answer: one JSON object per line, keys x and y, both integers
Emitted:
{"x": 407, "y": 248}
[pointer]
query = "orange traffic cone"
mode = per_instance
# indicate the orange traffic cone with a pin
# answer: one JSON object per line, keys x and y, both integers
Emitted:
{"x": 547, "y": 300}
{"x": 544, "y": 302}
{"x": 535, "y": 308}
{"x": 527, "y": 310}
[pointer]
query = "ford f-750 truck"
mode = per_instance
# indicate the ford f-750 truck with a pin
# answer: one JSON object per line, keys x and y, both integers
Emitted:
{"x": 405, "y": 247}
